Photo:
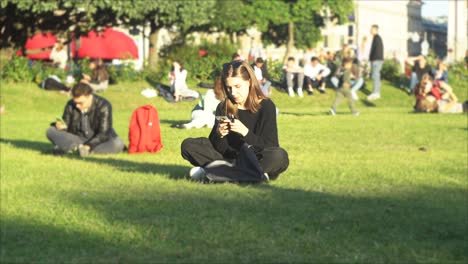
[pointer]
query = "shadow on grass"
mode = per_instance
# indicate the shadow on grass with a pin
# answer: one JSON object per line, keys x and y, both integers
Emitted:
{"x": 172, "y": 171}
{"x": 368, "y": 103}
{"x": 303, "y": 114}
{"x": 262, "y": 224}
{"x": 41, "y": 147}
{"x": 172, "y": 123}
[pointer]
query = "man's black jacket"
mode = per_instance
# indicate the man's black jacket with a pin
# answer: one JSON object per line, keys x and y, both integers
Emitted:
{"x": 100, "y": 120}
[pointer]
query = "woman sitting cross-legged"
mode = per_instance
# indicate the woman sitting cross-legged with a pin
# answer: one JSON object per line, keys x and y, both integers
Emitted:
{"x": 249, "y": 117}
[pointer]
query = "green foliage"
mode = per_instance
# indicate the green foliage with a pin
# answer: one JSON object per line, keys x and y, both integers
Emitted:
{"x": 391, "y": 71}
{"x": 125, "y": 72}
{"x": 306, "y": 15}
{"x": 21, "y": 69}
{"x": 458, "y": 70}
{"x": 17, "y": 70}
{"x": 275, "y": 70}
{"x": 431, "y": 58}
{"x": 200, "y": 68}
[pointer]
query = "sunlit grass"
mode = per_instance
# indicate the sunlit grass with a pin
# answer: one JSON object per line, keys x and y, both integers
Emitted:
{"x": 385, "y": 186}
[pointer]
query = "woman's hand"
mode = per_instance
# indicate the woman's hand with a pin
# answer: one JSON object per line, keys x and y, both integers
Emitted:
{"x": 223, "y": 128}
{"x": 238, "y": 127}
{"x": 86, "y": 77}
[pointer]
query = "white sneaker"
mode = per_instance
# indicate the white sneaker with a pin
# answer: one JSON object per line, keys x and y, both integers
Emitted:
{"x": 354, "y": 96}
{"x": 372, "y": 97}
{"x": 332, "y": 112}
{"x": 291, "y": 92}
{"x": 299, "y": 92}
{"x": 197, "y": 174}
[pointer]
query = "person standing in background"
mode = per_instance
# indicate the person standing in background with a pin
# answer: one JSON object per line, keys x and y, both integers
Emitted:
{"x": 376, "y": 57}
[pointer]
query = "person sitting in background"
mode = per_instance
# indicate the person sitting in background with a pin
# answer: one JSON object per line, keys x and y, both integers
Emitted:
{"x": 293, "y": 73}
{"x": 178, "y": 78}
{"x": 315, "y": 74}
{"x": 59, "y": 56}
{"x": 261, "y": 72}
{"x": 86, "y": 125}
{"x": 440, "y": 73}
{"x": 203, "y": 114}
{"x": 420, "y": 67}
{"x": 437, "y": 96}
{"x": 236, "y": 56}
{"x": 345, "y": 71}
{"x": 99, "y": 79}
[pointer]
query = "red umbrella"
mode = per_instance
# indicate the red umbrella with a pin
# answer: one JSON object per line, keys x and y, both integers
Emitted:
{"x": 120, "y": 45}
{"x": 40, "y": 41}
{"x": 37, "y": 42}
{"x": 109, "y": 44}
{"x": 92, "y": 46}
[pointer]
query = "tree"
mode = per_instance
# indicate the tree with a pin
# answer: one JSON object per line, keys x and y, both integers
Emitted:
{"x": 292, "y": 22}
{"x": 20, "y": 19}
{"x": 301, "y": 20}
{"x": 186, "y": 16}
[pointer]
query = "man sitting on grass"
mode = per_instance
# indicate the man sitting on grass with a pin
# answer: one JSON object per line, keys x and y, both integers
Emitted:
{"x": 86, "y": 125}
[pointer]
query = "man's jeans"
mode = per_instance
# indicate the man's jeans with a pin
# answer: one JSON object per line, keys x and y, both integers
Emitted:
{"x": 67, "y": 142}
{"x": 266, "y": 88}
{"x": 376, "y": 67}
{"x": 290, "y": 79}
{"x": 355, "y": 84}
{"x": 413, "y": 81}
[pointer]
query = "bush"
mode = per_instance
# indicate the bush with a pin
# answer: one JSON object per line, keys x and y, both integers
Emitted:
{"x": 391, "y": 71}
{"x": 203, "y": 62}
{"x": 458, "y": 70}
{"x": 21, "y": 69}
{"x": 275, "y": 70}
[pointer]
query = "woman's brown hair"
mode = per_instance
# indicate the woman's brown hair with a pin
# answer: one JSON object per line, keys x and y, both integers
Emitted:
{"x": 243, "y": 70}
{"x": 420, "y": 89}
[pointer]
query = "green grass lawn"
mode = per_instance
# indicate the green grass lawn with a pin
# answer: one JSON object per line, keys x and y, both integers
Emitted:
{"x": 358, "y": 189}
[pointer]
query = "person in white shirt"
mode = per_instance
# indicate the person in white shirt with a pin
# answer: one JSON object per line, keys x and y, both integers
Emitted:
{"x": 261, "y": 73}
{"x": 177, "y": 78}
{"x": 58, "y": 56}
{"x": 203, "y": 114}
{"x": 315, "y": 74}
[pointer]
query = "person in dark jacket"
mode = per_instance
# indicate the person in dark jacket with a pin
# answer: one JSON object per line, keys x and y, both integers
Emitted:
{"x": 376, "y": 57}
{"x": 86, "y": 125}
{"x": 420, "y": 67}
{"x": 250, "y": 118}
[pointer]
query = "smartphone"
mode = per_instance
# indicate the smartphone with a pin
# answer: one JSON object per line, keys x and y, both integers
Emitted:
{"x": 222, "y": 118}
{"x": 60, "y": 119}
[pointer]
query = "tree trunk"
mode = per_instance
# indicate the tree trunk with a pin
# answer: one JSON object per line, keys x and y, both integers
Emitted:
{"x": 290, "y": 45}
{"x": 153, "y": 56}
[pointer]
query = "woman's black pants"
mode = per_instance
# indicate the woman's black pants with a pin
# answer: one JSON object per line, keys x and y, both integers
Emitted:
{"x": 200, "y": 151}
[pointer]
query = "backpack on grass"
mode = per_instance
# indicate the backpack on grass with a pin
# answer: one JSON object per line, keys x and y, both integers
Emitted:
{"x": 144, "y": 132}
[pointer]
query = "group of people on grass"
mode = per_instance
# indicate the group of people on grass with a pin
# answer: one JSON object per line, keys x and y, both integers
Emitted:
{"x": 98, "y": 79}
{"x": 320, "y": 68}
{"x": 86, "y": 125}
{"x": 247, "y": 115}
{"x": 431, "y": 88}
